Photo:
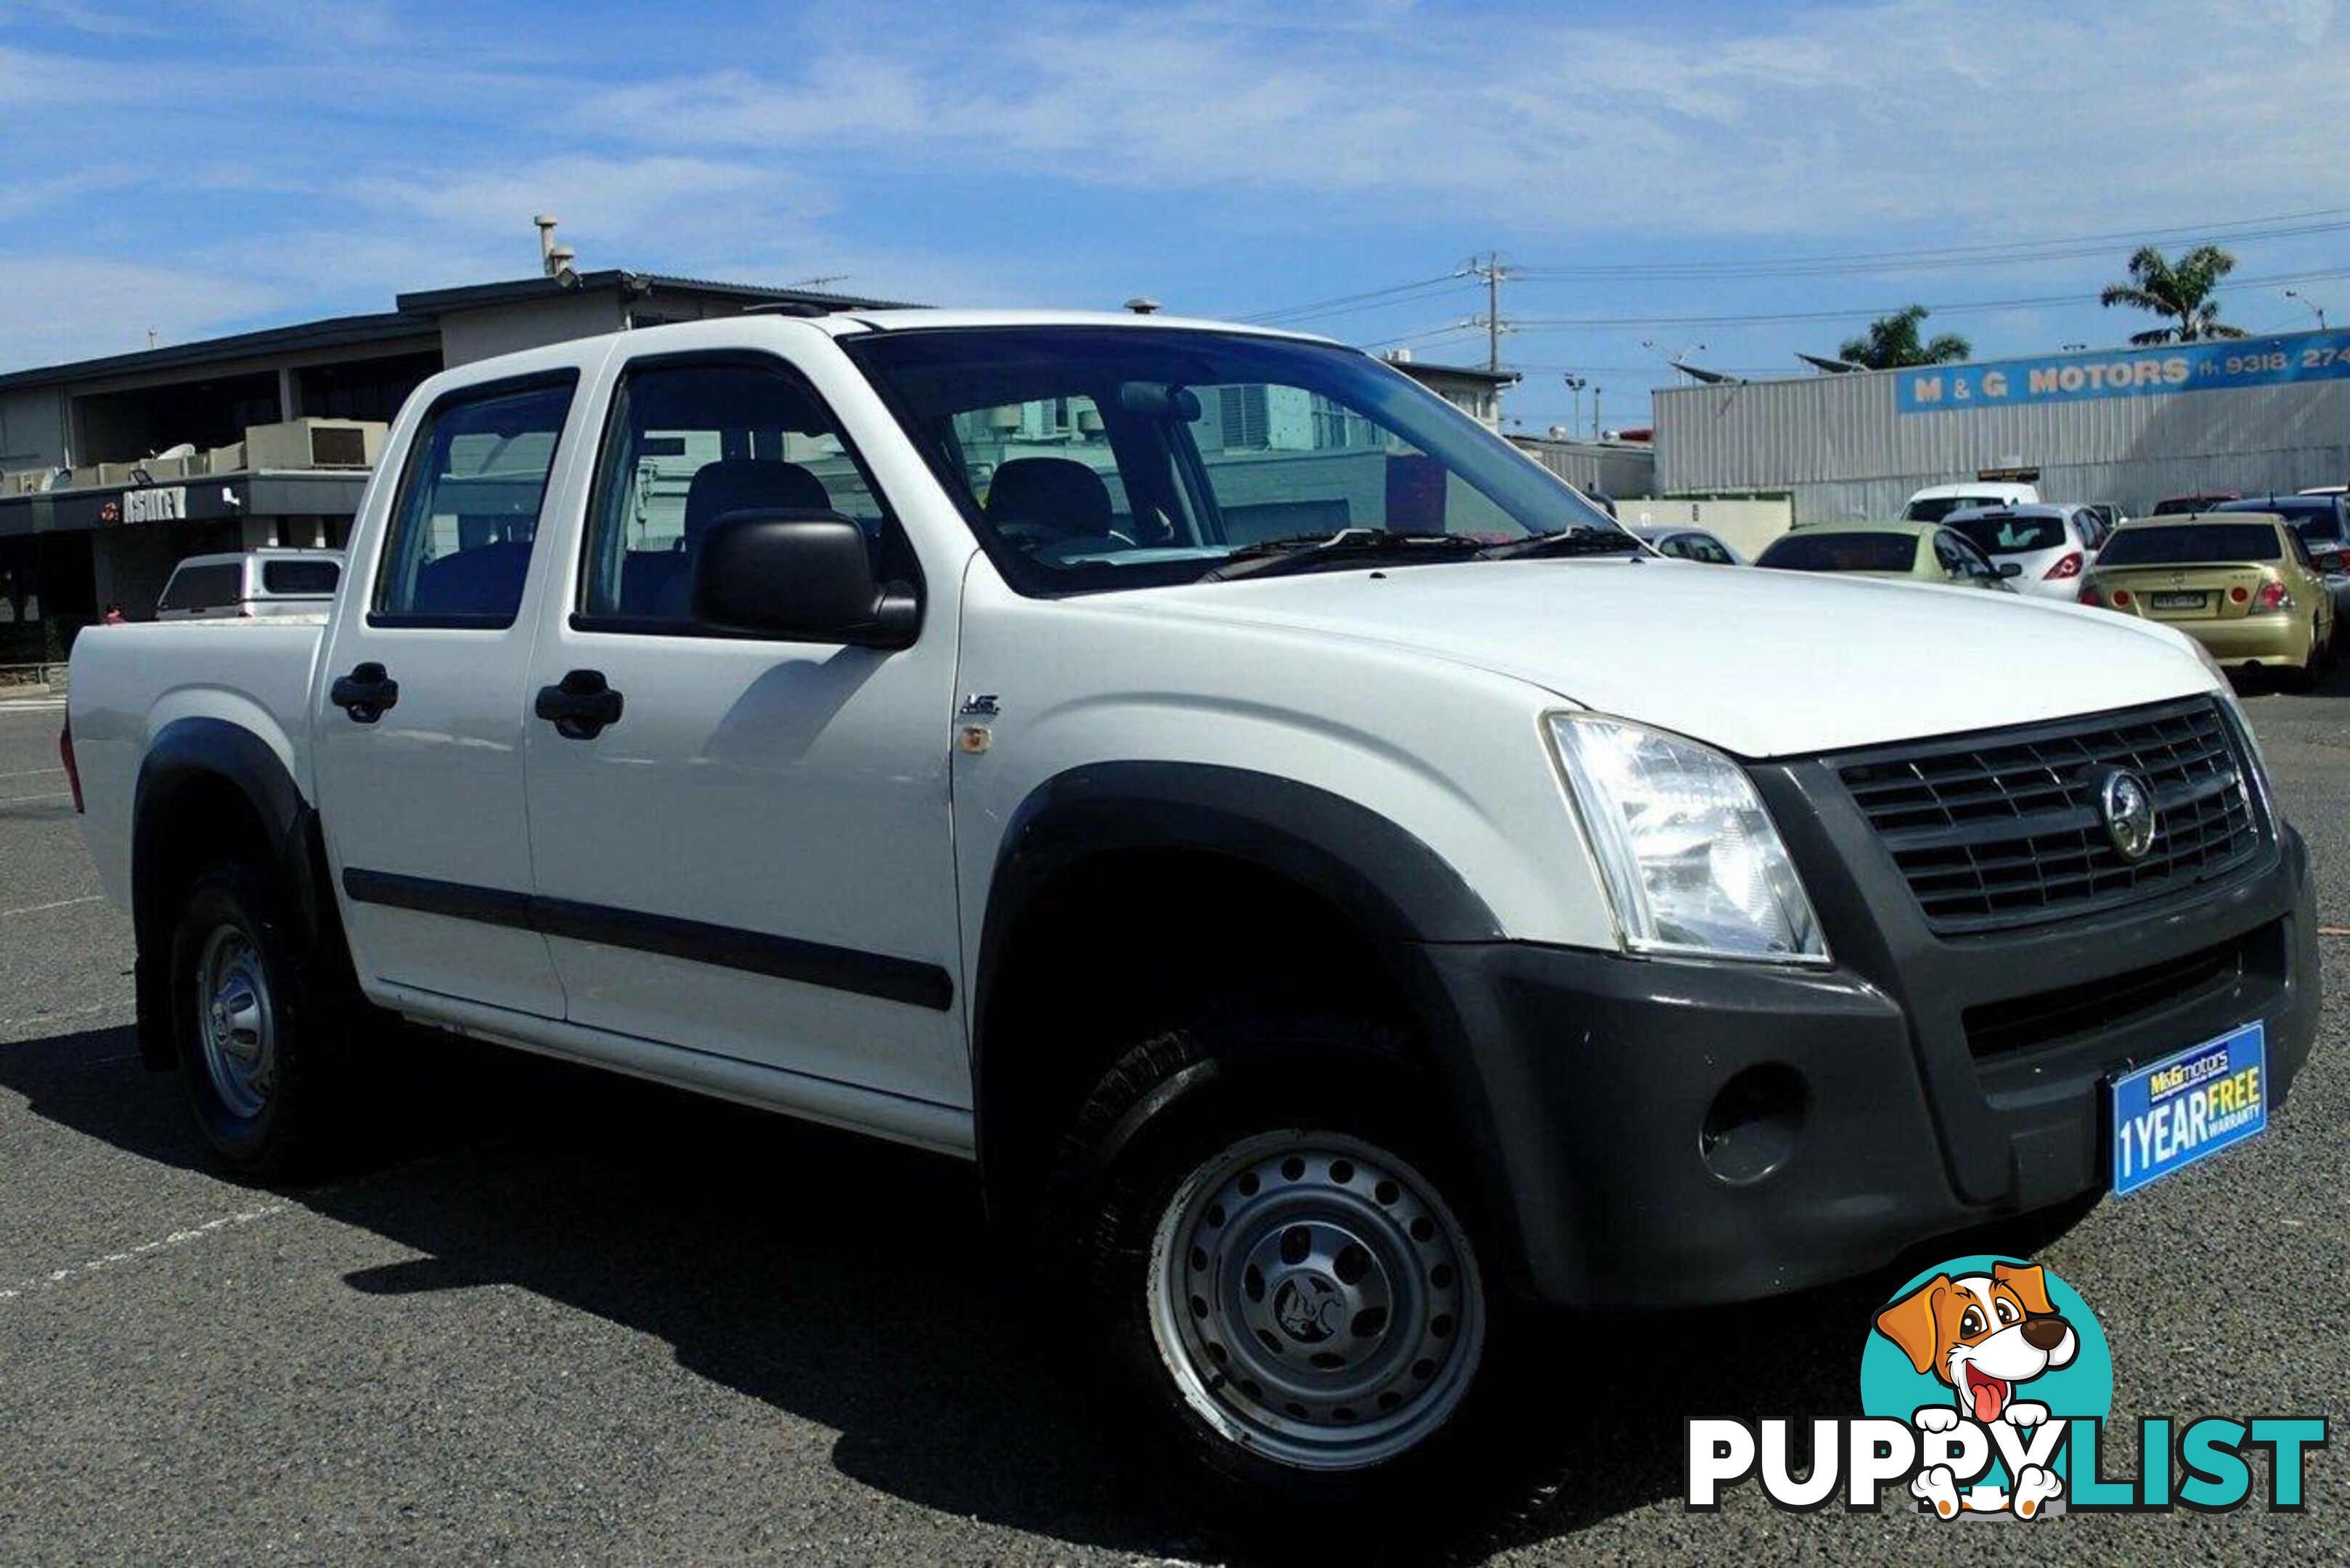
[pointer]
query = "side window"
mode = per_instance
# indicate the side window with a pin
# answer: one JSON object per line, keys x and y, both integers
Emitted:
{"x": 314, "y": 579}
{"x": 467, "y": 508}
{"x": 1946, "y": 551}
{"x": 687, "y": 444}
{"x": 1705, "y": 547}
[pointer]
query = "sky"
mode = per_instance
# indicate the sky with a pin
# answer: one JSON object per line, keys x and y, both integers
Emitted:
{"x": 1654, "y": 176}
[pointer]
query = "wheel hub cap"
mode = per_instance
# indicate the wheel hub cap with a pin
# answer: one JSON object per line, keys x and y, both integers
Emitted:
{"x": 236, "y": 1022}
{"x": 1315, "y": 1300}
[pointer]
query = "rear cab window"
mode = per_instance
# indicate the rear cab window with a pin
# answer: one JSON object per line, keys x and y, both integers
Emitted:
{"x": 463, "y": 519}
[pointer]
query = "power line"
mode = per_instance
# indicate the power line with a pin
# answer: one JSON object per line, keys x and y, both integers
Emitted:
{"x": 1324, "y": 307}
{"x": 2005, "y": 252}
{"x": 1970, "y": 307}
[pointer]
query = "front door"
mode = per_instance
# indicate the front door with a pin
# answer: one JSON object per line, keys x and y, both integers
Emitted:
{"x": 419, "y": 733}
{"x": 746, "y": 852}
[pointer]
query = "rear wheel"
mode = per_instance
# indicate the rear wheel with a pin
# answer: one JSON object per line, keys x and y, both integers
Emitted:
{"x": 265, "y": 1041}
{"x": 1284, "y": 1268}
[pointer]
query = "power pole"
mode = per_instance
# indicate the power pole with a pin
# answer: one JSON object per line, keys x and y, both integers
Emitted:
{"x": 1491, "y": 270}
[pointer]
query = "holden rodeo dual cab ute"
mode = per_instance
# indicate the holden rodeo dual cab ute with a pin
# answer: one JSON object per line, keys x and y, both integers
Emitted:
{"x": 1334, "y": 886}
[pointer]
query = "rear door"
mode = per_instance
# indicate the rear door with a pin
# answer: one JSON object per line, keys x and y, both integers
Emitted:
{"x": 753, "y": 857}
{"x": 419, "y": 736}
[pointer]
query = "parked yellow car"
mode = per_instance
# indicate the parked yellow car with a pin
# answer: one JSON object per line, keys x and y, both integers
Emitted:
{"x": 1914, "y": 552}
{"x": 2240, "y": 583}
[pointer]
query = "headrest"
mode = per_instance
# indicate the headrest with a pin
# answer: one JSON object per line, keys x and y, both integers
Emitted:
{"x": 748, "y": 484}
{"x": 1056, "y": 492}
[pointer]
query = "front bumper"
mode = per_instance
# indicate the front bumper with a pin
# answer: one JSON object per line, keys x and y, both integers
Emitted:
{"x": 1674, "y": 1134}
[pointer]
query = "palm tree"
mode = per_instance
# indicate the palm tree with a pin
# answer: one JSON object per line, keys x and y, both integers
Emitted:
{"x": 2183, "y": 289}
{"x": 1893, "y": 341}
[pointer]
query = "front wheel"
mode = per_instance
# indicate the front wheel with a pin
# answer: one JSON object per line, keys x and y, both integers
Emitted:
{"x": 1281, "y": 1264}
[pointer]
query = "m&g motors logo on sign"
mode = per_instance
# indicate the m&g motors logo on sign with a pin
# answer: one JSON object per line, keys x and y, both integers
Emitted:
{"x": 1986, "y": 1383}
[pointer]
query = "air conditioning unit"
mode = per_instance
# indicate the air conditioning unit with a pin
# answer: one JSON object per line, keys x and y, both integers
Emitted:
{"x": 314, "y": 443}
{"x": 229, "y": 459}
{"x": 22, "y": 481}
{"x": 110, "y": 474}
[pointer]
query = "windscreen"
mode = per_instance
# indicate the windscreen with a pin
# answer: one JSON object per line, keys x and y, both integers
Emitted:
{"x": 1934, "y": 509}
{"x": 1830, "y": 551}
{"x": 2012, "y": 536}
{"x": 2183, "y": 543}
{"x": 1090, "y": 458}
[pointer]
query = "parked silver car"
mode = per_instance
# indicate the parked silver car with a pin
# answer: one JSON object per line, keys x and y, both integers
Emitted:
{"x": 252, "y": 584}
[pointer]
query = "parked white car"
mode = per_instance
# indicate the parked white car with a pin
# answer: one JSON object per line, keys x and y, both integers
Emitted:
{"x": 252, "y": 585}
{"x": 1686, "y": 543}
{"x": 2049, "y": 546}
{"x": 1330, "y": 895}
{"x": 1937, "y": 502}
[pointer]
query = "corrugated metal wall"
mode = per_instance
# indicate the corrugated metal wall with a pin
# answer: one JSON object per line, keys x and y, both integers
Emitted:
{"x": 1607, "y": 468}
{"x": 1838, "y": 443}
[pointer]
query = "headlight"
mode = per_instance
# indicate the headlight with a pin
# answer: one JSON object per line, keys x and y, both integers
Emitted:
{"x": 1690, "y": 856}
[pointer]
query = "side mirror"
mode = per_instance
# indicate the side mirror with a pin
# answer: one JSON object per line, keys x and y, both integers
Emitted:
{"x": 2011, "y": 568}
{"x": 797, "y": 576}
{"x": 2332, "y": 562}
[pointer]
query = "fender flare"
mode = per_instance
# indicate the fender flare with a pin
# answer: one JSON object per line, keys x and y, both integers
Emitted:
{"x": 1405, "y": 896}
{"x": 215, "y": 750}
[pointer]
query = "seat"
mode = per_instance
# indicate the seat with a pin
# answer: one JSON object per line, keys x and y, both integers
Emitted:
{"x": 1048, "y": 498}
{"x": 730, "y": 484}
{"x": 486, "y": 580}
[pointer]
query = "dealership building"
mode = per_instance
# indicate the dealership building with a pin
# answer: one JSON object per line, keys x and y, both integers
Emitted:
{"x": 114, "y": 470}
{"x": 2127, "y": 426}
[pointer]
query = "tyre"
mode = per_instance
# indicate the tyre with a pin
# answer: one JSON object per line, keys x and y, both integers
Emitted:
{"x": 265, "y": 1041}
{"x": 2303, "y": 677}
{"x": 1283, "y": 1268}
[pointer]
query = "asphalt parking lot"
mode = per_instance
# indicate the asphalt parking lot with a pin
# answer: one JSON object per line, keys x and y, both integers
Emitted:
{"x": 565, "y": 1317}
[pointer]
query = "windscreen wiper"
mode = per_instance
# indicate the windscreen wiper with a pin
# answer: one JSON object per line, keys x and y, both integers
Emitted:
{"x": 1581, "y": 540}
{"x": 1347, "y": 547}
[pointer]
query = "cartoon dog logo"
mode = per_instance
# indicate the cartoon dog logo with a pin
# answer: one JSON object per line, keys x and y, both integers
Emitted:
{"x": 1983, "y": 1335}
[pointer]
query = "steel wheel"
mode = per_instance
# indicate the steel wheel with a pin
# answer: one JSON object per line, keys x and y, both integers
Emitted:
{"x": 236, "y": 1022}
{"x": 1315, "y": 1300}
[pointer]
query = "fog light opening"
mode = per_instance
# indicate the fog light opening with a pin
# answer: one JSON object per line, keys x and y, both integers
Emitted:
{"x": 1750, "y": 1130}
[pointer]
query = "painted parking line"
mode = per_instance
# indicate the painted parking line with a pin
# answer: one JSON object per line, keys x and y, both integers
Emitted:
{"x": 60, "y": 904}
{"x": 73, "y": 1271}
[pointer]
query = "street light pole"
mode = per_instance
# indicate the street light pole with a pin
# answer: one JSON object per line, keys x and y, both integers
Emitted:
{"x": 2315, "y": 308}
{"x": 1574, "y": 384}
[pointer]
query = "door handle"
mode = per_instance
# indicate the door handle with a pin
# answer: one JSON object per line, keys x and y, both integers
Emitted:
{"x": 365, "y": 692}
{"x": 580, "y": 705}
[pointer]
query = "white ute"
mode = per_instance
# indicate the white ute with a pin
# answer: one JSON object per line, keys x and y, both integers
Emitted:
{"x": 1335, "y": 885}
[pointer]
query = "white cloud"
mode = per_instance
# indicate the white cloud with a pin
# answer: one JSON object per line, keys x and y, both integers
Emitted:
{"x": 1822, "y": 118}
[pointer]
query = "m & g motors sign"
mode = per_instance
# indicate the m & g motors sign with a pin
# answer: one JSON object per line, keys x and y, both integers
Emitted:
{"x": 2126, "y": 373}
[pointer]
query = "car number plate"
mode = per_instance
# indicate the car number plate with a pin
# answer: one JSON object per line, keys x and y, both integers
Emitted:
{"x": 2179, "y": 601}
{"x": 2176, "y": 1111}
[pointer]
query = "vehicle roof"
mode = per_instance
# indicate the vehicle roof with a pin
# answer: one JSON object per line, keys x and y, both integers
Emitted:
{"x": 1971, "y": 487}
{"x": 852, "y": 323}
{"x": 263, "y": 552}
{"x": 1899, "y": 526}
{"x": 2179, "y": 519}
{"x": 2019, "y": 509}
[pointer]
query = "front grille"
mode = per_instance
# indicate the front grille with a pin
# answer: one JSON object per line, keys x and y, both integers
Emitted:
{"x": 2026, "y": 1022}
{"x": 2006, "y": 829}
